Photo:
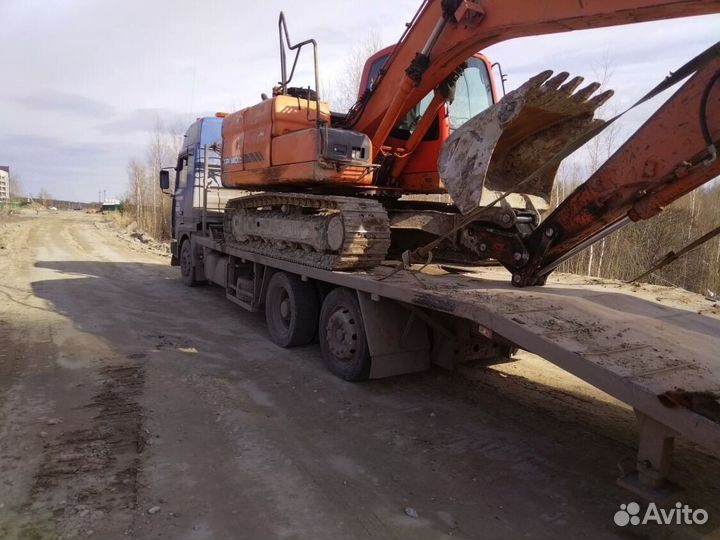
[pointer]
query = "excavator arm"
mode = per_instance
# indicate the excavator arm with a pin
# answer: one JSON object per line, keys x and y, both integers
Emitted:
{"x": 534, "y": 127}
{"x": 444, "y": 33}
{"x": 672, "y": 153}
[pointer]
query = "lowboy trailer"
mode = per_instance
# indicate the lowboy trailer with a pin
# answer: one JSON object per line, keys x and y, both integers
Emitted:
{"x": 659, "y": 359}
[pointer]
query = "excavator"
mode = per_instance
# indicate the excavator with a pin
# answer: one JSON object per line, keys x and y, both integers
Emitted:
{"x": 430, "y": 163}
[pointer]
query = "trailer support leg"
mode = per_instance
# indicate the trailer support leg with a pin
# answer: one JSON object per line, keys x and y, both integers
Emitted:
{"x": 649, "y": 478}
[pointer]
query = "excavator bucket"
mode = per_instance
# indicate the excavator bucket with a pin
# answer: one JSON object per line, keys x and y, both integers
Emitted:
{"x": 507, "y": 142}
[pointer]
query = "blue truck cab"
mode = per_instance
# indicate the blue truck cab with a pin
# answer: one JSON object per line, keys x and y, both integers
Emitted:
{"x": 189, "y": 182}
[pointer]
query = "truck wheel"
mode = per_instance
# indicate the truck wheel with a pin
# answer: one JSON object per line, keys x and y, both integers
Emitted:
{"x": 187, "y": 265}
{"x": 291, "y": 310}
{"x": 342, "y": 336}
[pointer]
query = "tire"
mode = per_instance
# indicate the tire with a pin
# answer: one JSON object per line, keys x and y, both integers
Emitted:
{"x": 187, "y": 265}
{"x": 291, "y": 310}
{"x": 343, "y": 341}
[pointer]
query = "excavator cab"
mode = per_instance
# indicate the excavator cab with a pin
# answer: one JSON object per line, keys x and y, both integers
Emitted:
{"x": 474, "y": 92}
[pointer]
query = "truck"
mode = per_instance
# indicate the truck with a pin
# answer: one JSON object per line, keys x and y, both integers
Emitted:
{"x": 414, "y": 230}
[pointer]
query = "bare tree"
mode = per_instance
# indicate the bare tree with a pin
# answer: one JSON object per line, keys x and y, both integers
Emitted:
{"x": 44, "y": 197}
{"x": 15, "y": 185}
{"x": 591, "y": 157}
{"x": 599, "y": 149}
{"x": 343, "y": 92}
{"x": 137, "y": 177}
{"x": 162, "y": 150}
{"x": 149, "y": 207}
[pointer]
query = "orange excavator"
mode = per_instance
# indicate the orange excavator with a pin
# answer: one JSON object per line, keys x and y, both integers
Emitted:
{"x": 430, "y": 163}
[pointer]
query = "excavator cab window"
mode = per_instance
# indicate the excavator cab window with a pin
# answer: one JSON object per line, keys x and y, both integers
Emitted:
{"x": 473, "y": 93}
{"x": 409, "y": 123}
{"x": 375, "y": 70}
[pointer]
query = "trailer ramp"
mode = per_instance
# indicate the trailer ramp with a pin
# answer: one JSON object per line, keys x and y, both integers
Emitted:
{"x": 654, "y": 350}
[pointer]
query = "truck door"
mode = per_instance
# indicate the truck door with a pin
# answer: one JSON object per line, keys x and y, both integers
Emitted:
{"x": 179, "y": 195}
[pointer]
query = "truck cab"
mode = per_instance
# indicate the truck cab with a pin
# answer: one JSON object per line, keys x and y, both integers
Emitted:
{"x": 196, "y": 188}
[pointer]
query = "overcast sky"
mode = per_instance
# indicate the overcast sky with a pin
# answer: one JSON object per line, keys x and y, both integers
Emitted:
{"x": 82, "y": 82}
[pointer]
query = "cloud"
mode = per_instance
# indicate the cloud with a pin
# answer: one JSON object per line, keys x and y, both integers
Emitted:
{"x": 84, "y": 82}
{"x": 66, "y": 102}
{"x": 70, "y": 170}
{"x": 146, "y": 120}
{"x": 46, "y": 152}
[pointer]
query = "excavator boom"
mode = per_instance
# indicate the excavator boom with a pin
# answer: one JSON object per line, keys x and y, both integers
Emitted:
{"x": 444, "y": 33}
{"x": 530, "y": 130}
{"x": 672, "y": 153}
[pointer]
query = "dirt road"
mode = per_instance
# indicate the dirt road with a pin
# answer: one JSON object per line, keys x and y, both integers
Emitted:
{"x": 131, "y": 406}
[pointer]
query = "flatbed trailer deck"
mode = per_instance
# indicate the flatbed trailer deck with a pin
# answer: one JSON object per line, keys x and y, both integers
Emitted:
{"x": 659, "y": 358}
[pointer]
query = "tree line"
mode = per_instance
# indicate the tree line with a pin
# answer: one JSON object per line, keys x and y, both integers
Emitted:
{"x": 145, "y": 203}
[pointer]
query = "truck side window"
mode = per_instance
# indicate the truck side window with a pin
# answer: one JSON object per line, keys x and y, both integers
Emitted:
{"x": 190, "y": 171}
{"x": 179, "y": 176}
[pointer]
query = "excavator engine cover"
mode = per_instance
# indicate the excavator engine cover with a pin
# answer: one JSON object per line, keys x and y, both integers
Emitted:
{"x": 500, "y": 147}
{"x": 285, "y": 141}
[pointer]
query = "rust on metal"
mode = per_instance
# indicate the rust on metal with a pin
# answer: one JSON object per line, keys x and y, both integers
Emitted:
{"x": 705, "y": 403}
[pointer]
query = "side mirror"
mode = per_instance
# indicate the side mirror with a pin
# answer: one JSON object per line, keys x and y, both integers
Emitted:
{"x": 164, "y": 179}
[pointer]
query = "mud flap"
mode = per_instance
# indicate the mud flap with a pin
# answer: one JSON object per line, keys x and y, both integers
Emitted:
{"x": 174, "y": 260}
{"x": 501, "y": 146}
{"x": 397, "y": 340}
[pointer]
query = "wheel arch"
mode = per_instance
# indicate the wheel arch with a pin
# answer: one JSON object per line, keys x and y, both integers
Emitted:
{"x": 184, "y": 237}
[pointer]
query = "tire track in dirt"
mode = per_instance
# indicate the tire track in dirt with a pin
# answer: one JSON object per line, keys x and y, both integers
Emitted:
{"x": 80, "y": 445}
{"x": 93, "y": 471}
{"x": 248, "y": 440}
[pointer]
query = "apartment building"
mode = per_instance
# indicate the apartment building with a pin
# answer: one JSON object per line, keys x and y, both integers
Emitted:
{"x": 4, "y": 183}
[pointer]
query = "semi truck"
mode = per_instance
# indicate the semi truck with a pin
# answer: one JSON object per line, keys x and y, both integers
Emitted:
{"x": 414, "y": 229}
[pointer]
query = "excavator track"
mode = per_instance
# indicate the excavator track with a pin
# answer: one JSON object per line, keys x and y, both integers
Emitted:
{"x": 328, "y": 232}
